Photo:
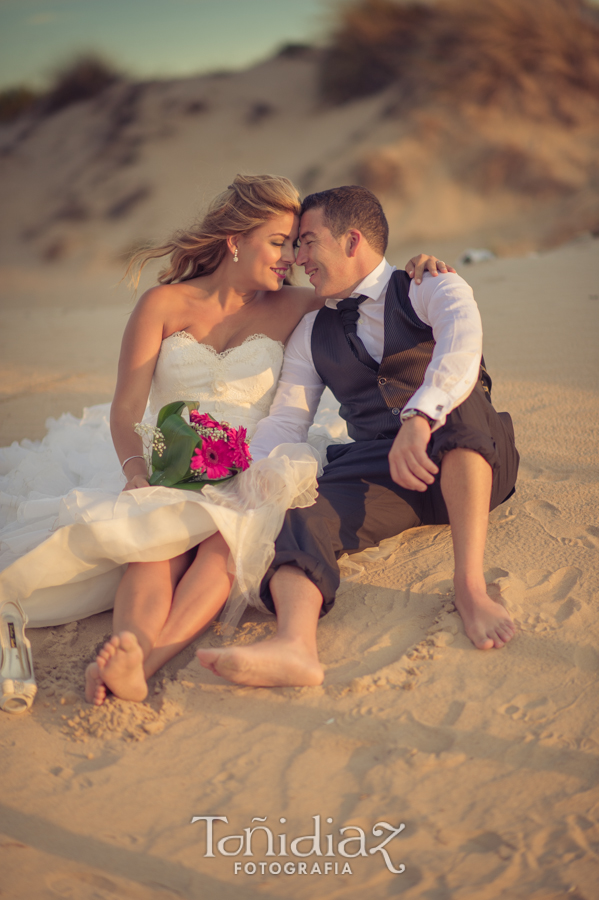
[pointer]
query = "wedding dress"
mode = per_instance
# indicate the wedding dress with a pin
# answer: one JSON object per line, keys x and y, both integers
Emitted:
{"x": 68, "y": 530}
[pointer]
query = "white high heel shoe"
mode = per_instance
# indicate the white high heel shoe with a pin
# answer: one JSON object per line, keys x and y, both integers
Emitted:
{"x": 17, "y": 681}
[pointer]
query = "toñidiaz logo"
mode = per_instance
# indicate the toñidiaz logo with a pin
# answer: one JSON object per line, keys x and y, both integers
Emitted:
{"x": 306, "y": 854}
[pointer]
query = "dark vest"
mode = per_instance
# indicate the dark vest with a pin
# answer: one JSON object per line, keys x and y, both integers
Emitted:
{"x": 371, "y": 401}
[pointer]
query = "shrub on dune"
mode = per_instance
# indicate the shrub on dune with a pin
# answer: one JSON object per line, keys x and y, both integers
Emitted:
{"x": 86, "y": 77}
{"x": 538, "y": 56}
{"x": 83, "y": 79}
{"x": 14, "y": 102}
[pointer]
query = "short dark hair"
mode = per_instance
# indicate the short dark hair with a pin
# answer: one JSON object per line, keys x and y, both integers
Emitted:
{"x": 352, "y": 206}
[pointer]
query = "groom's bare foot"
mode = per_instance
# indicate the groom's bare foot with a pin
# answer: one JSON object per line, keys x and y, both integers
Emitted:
{"x": 486, "y": 622}
{"x": 95, "y": 689}
{"x": 120, "y": 666}
{"x": 274, "y": 663}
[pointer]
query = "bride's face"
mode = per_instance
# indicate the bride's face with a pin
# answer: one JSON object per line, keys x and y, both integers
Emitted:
{"x": 267, "y": 253}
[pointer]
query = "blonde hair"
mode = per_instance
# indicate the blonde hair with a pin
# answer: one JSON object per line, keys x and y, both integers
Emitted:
{"x": 199, "y": 250}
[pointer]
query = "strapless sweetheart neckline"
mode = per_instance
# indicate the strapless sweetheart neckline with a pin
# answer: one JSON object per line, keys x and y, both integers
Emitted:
{"x": 238, "y": 383}
{"x": 211, "y": 349}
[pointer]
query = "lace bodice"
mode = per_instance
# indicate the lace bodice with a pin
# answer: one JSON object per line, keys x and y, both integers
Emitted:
{"x": 236, "y": 386}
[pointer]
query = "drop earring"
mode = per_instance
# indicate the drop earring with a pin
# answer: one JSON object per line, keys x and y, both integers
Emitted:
{"x": 235, "y": 256}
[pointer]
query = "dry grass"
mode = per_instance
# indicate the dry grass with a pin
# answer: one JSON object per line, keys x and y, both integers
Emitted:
{"x": 86, "y": 77}
{"x": 14, "y": 102}
{"x": 372, "y": 47}
{"x": 537, "y": 57}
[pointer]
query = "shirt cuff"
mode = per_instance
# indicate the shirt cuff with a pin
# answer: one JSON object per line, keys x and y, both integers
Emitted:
{"x": 433, "y": 402}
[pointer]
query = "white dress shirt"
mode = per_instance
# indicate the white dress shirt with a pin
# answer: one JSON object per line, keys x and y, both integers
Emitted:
{"x": 445, "y": 303}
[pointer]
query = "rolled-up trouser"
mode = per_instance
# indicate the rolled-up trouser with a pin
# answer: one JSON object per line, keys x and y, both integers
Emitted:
{"x": 359, "y": 504}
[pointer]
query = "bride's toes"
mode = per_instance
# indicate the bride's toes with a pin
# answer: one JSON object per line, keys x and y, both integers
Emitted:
{"x": 120, "y": 663}
{"x": 108, "y": 651}
{"x": 95, "y": 689}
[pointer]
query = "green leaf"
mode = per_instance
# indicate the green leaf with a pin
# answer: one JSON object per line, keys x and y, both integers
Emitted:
{"x": 181, "y": 441}
{"x": 173, "y": 409}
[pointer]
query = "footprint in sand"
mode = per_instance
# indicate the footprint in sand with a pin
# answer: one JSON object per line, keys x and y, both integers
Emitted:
{"x": 562, "y": 843}
{"x": 556, "y": 586}
{"x": 567, "y": 609}
{"x": 551, "y": 520}
{"x": 586, "y": 658}
{"x": 62, "y": 772}
{"x": 95, "y": 886}
{"x": 531, "y": 708}
{"x": 502, "y": 515}
{"x": 490, "y": 842}
{"x": 447, "y": 759}
{"x": 84, "y": 886}
{"x": 403, "y": 672}
{"x": 539, "y": 588}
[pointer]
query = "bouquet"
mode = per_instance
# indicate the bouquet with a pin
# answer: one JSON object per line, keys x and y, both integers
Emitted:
{"x": 188, "y": 456}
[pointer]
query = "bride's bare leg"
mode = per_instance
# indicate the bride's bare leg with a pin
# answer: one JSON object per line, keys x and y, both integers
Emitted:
{"x": 142, "y": 604}
{"x": 148, "y": 630}
{"x": 199, "y": 597}
{"x": 145, "y": 596}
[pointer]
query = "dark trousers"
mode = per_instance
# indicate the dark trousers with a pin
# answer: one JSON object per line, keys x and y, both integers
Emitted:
{"x": 359, "y": 505}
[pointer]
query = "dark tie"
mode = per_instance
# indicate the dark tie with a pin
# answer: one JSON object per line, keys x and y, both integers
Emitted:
{"x": 348, "y": 310}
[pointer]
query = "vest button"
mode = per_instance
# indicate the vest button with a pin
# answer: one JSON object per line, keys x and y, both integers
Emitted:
{"x": 382, "y": 381}
{"x": 395, "y": 411}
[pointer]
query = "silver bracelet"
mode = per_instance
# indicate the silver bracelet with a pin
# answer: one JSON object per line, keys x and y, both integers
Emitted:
{"x": 129, "y": 458}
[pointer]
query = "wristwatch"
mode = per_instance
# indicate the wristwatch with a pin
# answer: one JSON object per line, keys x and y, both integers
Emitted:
{"x": 410, "y": 413}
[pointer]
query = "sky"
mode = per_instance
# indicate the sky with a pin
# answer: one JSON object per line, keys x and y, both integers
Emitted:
{"x": 151, "y": 38}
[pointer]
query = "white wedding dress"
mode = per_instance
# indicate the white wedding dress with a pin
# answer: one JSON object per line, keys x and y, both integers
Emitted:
{"x": 68, "y": 531}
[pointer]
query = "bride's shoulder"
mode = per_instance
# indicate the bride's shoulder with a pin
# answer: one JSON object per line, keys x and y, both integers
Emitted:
{"x": 303, "y": 297}
{"x": 158, "y": 296}
{"x": 157, "y": 312}
{"x": 158, "y": 302}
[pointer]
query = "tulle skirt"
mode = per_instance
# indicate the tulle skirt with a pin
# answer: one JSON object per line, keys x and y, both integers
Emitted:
{"x": 68, "y": 531}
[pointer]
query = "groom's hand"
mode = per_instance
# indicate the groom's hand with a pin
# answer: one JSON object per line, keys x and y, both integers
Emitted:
{"x": 409, "y": 463}
{"x": 418, "y": 265}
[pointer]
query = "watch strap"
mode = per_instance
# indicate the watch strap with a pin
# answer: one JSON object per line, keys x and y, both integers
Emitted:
{"x": 411, "y": 413}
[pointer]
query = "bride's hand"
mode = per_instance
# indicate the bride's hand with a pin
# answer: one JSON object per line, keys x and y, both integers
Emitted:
{"x": 416, "y": 267}
{"x": 137, "y": 481}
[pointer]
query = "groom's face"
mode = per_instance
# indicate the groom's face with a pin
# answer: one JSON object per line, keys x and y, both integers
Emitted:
{"x": 323, "y": 257}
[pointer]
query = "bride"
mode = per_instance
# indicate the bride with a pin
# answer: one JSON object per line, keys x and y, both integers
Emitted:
{"x": 212, "y": 331}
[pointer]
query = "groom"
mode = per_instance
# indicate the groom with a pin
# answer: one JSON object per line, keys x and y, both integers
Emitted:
{"x": 404, "y": 361}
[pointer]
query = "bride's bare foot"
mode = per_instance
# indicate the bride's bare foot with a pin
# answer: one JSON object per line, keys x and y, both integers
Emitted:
{"x": 95, "y": 689}
{"x": 120, "y": 666}
{"x": 274, "y": 663}
{"x": 486, "y": 622}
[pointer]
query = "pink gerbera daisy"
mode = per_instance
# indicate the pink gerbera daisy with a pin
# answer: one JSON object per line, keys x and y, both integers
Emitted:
{"x": 202, "y": 419}
{"x": 213, "y": 458}
{"x": 240, "y": 451}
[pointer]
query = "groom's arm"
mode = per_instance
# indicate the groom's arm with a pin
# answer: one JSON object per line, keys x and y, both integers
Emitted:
{"x": 448, "y": 306}
{"x": 298, "y": 394}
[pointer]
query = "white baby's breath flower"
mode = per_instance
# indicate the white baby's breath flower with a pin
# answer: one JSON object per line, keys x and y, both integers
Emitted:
{"x": 153, "y": 439}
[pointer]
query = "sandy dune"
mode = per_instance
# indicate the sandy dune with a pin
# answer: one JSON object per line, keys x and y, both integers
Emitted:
{"x": 490, "y": 759}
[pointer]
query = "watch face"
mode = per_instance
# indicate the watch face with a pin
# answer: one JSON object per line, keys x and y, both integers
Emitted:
{"x": 412, "y": 413}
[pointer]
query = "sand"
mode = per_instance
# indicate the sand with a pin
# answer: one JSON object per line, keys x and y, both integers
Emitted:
{"x": 489, "y": 759}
